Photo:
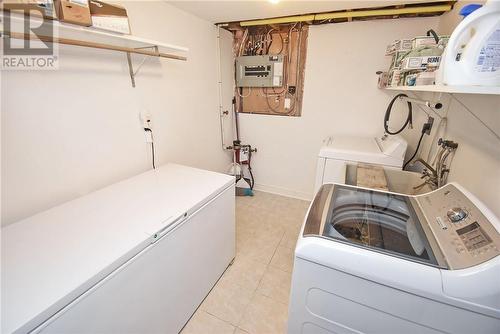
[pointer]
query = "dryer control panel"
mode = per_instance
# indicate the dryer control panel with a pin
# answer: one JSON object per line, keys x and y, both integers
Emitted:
{"x": 466, "y": 237}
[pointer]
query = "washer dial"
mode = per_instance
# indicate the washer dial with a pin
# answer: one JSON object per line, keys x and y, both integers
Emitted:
{"x": 456, "y": 215}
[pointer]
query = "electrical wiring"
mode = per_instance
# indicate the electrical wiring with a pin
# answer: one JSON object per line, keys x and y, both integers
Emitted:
{"x": 153, "y": 154}
{"x": 271, "y": 108}
{"x": 243, "y": 39}
{"x": 272, "y": 40}
{"x": 243, "y": 96}
{"x": 416, "y": 150}
{"x": 263, "y": 41}
{"x": 147, "y": 129}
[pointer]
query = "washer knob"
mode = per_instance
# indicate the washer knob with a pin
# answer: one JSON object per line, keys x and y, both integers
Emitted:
{"x": 456, "y": 214}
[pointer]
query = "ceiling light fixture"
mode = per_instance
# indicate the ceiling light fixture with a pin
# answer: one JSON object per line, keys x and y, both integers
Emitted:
{"x": 274, "y": 2}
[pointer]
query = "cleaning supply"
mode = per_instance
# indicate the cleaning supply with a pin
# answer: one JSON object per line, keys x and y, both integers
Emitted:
{"x": 472, "y": 57}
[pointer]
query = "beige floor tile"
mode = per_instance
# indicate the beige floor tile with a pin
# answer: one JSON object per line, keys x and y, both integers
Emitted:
{"x": 246, "y": 273}
{"x": 204, "y": 323}
{"x": 227, "y": 301}
{"x": 289, "y": 240}
{"x": 253, "y": 293}
{"x": 255, "y": 251}
{"x": 276, "y": 285}
{"x": 283, "y": 259}
{"x": 264, "y": 316}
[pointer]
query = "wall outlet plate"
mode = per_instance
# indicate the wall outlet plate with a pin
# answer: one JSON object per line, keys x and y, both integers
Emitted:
{"x": 430, "y": 122}
{"x": 145, "y": 118}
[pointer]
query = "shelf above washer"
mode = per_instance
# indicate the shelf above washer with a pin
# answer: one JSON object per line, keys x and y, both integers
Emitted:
{"x": 495, "y": 90}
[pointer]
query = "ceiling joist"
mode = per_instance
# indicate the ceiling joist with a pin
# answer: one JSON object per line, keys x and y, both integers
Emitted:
{"x": 389, "y": 12}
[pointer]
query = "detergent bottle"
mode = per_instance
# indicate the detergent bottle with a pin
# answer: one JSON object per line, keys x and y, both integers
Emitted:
{"x": 472, "y": 56}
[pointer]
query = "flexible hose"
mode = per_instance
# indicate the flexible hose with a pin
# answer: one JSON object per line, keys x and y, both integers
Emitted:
{"x": 416, "y": 150}
{"x": 388, "y": 115}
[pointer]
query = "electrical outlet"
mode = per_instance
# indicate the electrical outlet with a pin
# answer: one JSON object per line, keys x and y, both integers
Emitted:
{"x": 145, "y": 118}
{"x": 428, "y": 126}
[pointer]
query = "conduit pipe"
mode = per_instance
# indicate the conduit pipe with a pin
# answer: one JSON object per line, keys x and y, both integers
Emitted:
{"x": 222, "y": 113}
{"x": 349, "y": 14}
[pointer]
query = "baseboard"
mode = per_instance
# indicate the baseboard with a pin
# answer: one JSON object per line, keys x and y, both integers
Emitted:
{"x": 283, "y": 191}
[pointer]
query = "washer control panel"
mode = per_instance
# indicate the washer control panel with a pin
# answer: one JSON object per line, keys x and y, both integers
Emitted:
{"x": 466, "y": 237}
{"x": 456, "y": 215}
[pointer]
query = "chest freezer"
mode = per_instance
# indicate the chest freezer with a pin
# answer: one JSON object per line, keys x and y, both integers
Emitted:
{"x": 137, "y": 256}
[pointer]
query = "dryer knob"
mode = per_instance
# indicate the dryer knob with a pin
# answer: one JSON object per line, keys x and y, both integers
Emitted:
{"x": 456, "y": 215}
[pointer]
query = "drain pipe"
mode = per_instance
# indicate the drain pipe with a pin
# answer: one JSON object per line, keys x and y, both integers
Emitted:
{"x": 222, "y": 113}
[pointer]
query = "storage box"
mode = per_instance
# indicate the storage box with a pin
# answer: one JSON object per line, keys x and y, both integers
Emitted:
{"x": 425, "y": 78}
{"x": 420, "y": 63}
{"x": 398, "y": 46}
{"x": 429, "y": 41}
{"x": 394, "y": 78}
{"x": 109, "y": 17}
{"x": 383, "y": 80}
{"x": 74, "y": 11}
{"x": 39, "y": 8}
{"x": 423, "y": 41}
{"x": 397, "y": 58}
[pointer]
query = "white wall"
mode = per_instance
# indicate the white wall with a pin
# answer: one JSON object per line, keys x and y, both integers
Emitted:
{"x": 340, "y": 98}
{"x": 68, "y": 132}
{"x": 476, "y": 165}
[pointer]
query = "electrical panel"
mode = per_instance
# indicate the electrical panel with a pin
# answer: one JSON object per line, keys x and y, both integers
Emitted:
{"x": 259, "y": 71}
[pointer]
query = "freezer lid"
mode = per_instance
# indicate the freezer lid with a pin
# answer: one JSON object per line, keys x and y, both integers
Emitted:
{"x": 51, "y": 258}
{"x": 365, "y": 149}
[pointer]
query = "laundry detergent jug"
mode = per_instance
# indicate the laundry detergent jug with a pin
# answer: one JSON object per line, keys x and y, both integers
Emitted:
{"x": 472, "y": 56}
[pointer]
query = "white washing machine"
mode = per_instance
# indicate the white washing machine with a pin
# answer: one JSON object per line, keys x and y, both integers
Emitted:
{"x": 336, "y": 152}
{"x": 377, "y": 262}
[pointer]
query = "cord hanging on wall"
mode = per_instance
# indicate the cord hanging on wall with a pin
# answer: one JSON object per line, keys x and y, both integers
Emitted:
{"x": 145, "y": 118}
{"x": 149, "y": 138}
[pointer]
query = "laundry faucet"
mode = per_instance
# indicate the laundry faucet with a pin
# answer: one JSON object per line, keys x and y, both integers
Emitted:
{"x": 429, "y": 173}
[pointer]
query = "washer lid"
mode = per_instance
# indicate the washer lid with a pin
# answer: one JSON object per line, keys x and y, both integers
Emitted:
{"x": 378, "y": 221}
{"x": 389, "y": 151}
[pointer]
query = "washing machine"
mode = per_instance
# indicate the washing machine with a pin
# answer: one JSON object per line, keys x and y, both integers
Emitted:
{"x": 336, "y": 152}
{"x": 371, "y": 261}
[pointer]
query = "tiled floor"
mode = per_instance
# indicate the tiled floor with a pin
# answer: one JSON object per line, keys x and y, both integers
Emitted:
{"x": 252, "y": 295}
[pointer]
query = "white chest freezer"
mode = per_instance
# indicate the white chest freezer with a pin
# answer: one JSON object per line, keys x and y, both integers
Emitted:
{"x": 138, "y": 256}
{"x": 337, "y": 151}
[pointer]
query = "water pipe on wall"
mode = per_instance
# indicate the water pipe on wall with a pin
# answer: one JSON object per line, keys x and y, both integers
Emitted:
{"x": 222, "y": 113}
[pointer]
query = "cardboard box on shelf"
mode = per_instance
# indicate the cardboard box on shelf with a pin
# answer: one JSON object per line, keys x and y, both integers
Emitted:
{"x": 109, "y": 17}
{"x": 429, "y": 41}
{"x": 423, "y": 41}
{"x": 38, "y": 8}
{"x": 425, "y": 78}
{"x": 397, "y": 58}
{"x": 74, "y": 11}
{"x": 420, "y": 63}
{"x": 394, "y": 78}
{"x": 398, "y": 46}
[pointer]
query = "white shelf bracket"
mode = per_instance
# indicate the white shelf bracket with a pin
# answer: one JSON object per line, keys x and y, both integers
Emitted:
{"x": 131, "y": 71}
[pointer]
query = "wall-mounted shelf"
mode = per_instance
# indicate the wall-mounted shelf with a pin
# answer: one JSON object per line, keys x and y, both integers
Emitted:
{"x": 449, "y": 89}
{"x": 89, "y": 37}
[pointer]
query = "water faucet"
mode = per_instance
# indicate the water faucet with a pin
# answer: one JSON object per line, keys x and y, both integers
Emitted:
{"x": 427, "y": 166}
{"x": 430, "y": 173}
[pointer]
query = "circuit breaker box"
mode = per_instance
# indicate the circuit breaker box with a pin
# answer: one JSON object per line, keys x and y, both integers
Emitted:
{"x": 259, "y": 71}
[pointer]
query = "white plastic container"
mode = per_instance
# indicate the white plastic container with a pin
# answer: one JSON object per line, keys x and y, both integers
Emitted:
{"x": 472, "y": 57}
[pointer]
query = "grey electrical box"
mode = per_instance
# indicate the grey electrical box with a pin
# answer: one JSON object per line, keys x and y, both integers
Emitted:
{"x": 259, "y": 71}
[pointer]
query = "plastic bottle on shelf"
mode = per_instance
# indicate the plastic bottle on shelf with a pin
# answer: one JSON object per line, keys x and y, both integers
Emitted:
{"x": 472, "y": 56}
